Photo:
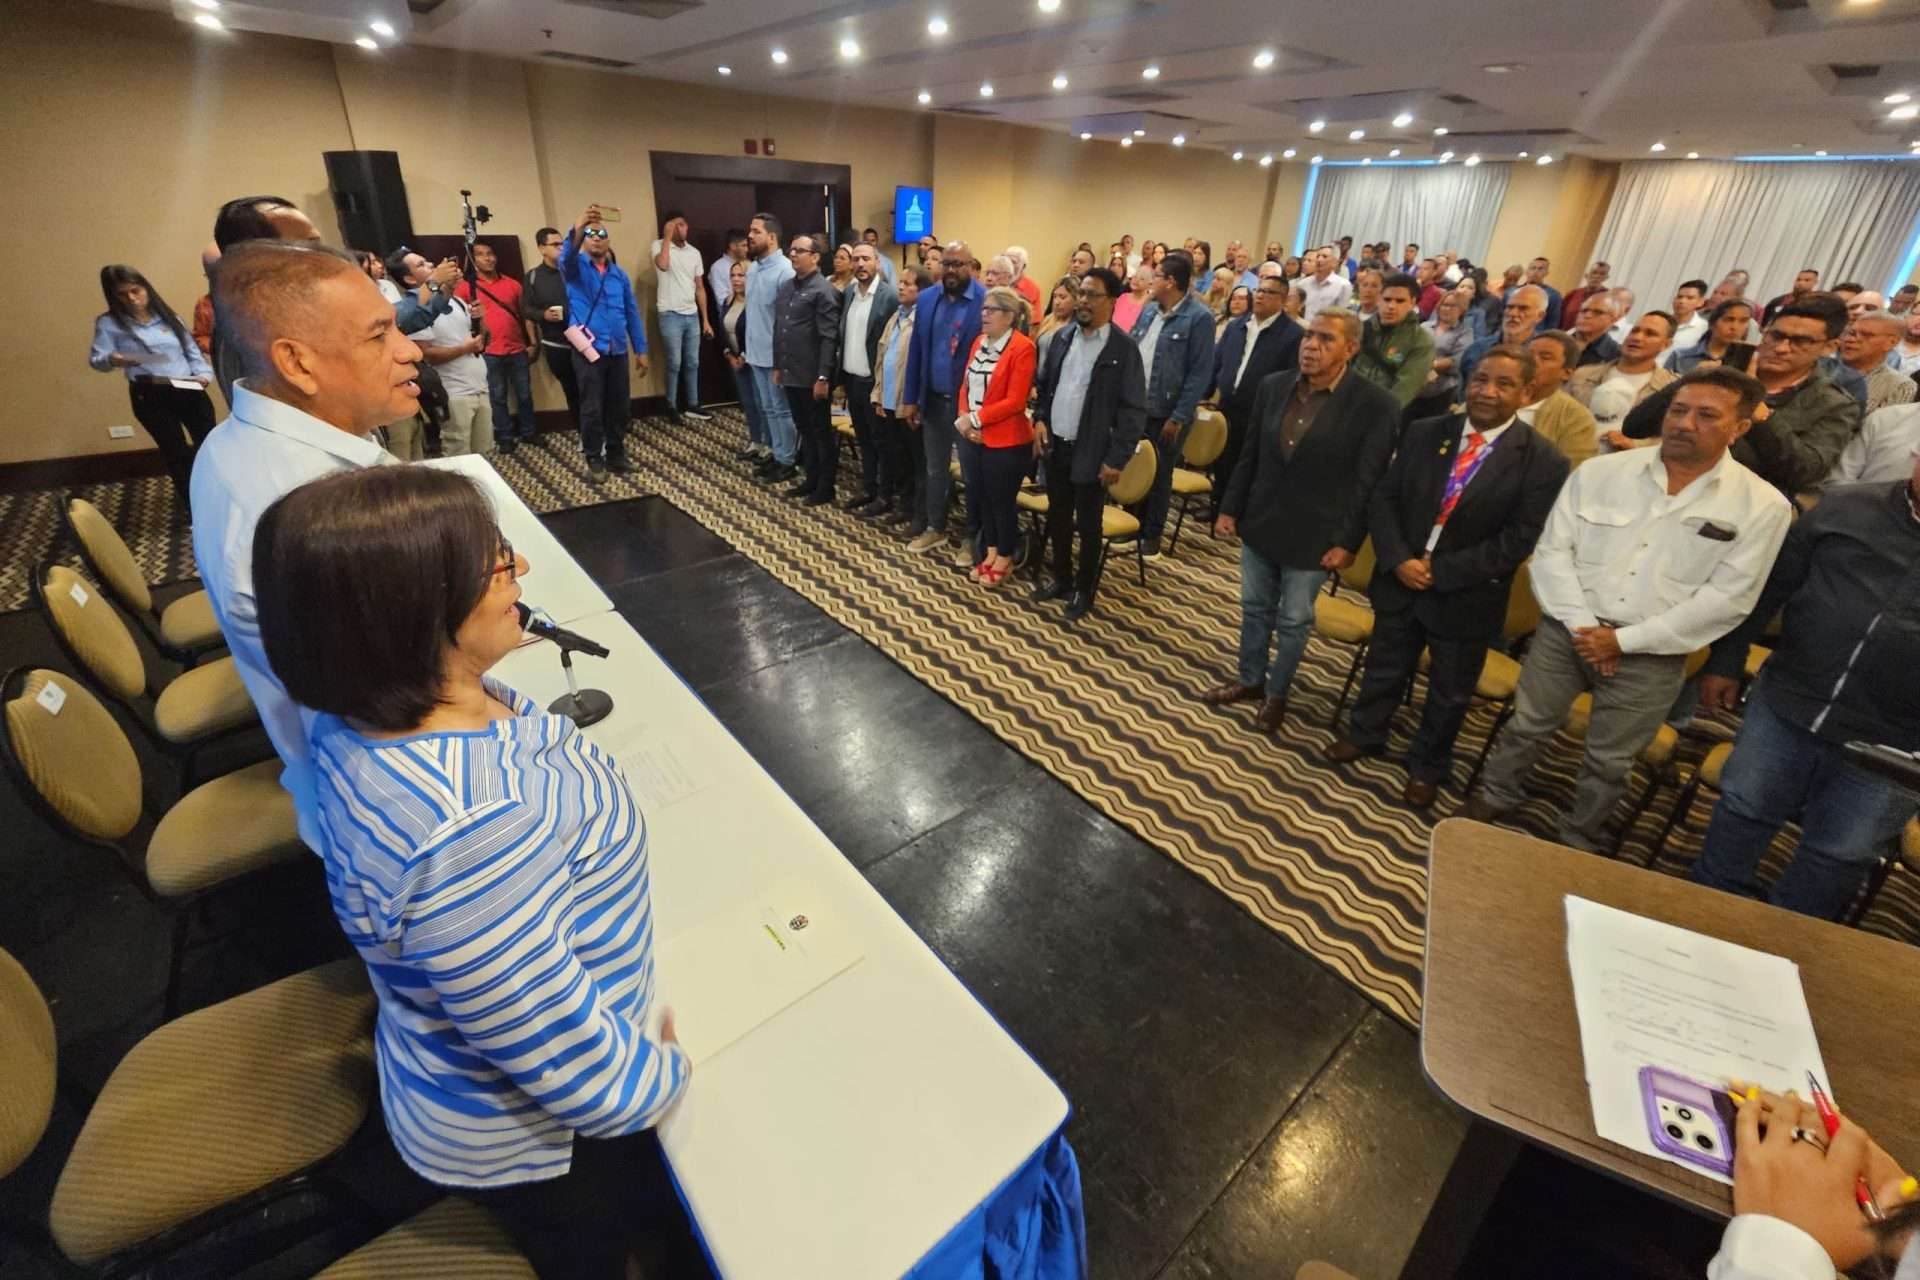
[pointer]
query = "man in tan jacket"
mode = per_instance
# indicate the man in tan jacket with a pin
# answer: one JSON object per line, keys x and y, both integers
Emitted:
{"x": 1553, "y": 414}
{"x": 1610, "y": 390}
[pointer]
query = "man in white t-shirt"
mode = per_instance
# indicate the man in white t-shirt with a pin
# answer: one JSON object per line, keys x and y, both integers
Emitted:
{"x": 681, "y": 299}
{"x": 1326, "y": 289}
{"x": 452, "y": 346}
{"x": 1609, "y": 390}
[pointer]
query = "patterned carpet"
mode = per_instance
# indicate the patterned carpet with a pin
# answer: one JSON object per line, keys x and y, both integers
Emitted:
{"x": 1329, "y": 859}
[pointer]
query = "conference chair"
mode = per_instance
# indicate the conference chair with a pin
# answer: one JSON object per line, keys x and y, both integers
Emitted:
{"x": 184, "y": 632}
{"x": 1657, "y": 757}
{"x": 1320, "y": 1271}
{"x": 451, "y": 1239}
{"x": 207, "y": 1120}
{"x": 72, "y": 762}
{"x": 198, "y": 708}
{"x": 1500, "y": 674}
{"x": 1707, "y": 774}
{"x": 1192, "y": 483}
{"x": 1905, "y": 852}
{"x": 1341, "y": 620}
{"x": 1117, "y": 524}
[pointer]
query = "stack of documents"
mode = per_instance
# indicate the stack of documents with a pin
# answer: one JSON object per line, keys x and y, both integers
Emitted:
{"x": 1651, "y": 994}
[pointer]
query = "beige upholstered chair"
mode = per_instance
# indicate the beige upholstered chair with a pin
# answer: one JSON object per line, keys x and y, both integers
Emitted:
{"x": 183, "y": 632}
{"x": 74, "y": 765}
{"x": 197, "y": 708}
{"x": 451, "y": 1239}
{"x": 1344, "y": 621}
{"x": 1192, "y": 483}
{"x": 213, "y": 1114}
{"x": 1117, "y": 524}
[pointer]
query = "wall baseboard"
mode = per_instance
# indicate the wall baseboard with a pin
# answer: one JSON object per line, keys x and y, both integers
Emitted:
{"x": 111, "y": 468}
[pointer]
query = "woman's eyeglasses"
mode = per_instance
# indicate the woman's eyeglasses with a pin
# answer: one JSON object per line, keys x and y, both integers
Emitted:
{"x": 510, "y": 564}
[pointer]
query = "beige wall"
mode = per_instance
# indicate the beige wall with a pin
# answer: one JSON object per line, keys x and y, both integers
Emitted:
{"x": 1555, "y": 210}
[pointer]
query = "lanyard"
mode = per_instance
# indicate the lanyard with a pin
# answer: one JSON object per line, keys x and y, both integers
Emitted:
{"x": 1457, "y": 480}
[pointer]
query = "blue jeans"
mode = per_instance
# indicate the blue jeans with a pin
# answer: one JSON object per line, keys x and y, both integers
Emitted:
{"x": 504, "y": 373}
{"x": 750, "y": 407}
{"x": 680, "y": 335}
{"x": 1779, "y": 772}
{"x": 772, "y": 402}
{"x": 1160, "y": 497}
{"x": 937, "y": 434}
{"x": 1273, "y": 598}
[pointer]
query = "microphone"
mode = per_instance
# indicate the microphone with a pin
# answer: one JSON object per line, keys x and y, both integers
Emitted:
{"x": 559, "y": 635}
{"x": 582, "y": 706}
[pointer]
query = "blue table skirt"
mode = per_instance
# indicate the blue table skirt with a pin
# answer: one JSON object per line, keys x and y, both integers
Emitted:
{"x": 1033, "y": 1228}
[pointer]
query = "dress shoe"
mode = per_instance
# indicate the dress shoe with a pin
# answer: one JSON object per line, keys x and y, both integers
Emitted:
{"x": 508, "y": 445}
{"x": 1345, "y": 752}
{"x": 926, "y": 540}
{"x": 1079, "y": 607}
{"x": 1232, "y": 691}
{"x": 750, "y": 452}
{"x": 800, "y": 490}
{"x": 1152, "y": 550}
{"x": 1267, "y": 719}
{"x": 1049, "y": 590}
{"x": 858, "y": 501}
{"x": 1479, "y": 810}
{"x": 901, "y": 516}
{"x": 766, "y": 467}
{"x": 597, "y": 470}
{"x": 874, "y": 506}
{"x": 1420, "y": 795}
{"x": 817, "y": 500}
{"x": 620, "y": 466}
{"x": 782, "y": 473}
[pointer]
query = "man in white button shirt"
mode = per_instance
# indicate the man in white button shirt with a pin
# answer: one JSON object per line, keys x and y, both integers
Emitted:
{"x": 1647, "y": 556}
{"x": 1326, "y": 289}
{"x": 322, "y": 365}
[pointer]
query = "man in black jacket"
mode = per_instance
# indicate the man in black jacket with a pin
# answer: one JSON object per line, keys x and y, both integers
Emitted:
{"x": 1459, "y": 510}
{"x": 544, "y": 301}
{"x": 1842, "y": 670}
{"x": 806, "y": 338}
{"x": 1320, "y": 440}
{"x": 1265, "y": 340}
{"x": 865, "y": 307}
{"x": 1090, "y": 410}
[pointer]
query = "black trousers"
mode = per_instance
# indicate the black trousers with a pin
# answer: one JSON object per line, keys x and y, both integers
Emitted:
{"x": 606, "y": 402}
{"x": 616, "y": 1199}
{"x": 178, "y": 420}
{"x": 819, "y": 451}
{"x": 1392, "y": 659}
{"x": 867, "y": 432}
{"x": 890, "y": 450}
{"x": 912, "y": 491}
{"x": 1001, "y": 471}
{"x": 1072, "y": 506}
{"x": 1229, "y": 456}
{"x": 560, "y": 365}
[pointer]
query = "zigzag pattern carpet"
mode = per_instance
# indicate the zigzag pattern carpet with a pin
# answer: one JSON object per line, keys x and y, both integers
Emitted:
{"x": 1329, "y": 859}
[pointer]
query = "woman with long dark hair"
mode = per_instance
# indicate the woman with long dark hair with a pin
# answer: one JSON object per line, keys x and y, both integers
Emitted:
{"x": 167, "y": 377}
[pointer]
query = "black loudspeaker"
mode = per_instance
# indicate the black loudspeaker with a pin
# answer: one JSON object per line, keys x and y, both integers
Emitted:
{"x": 369, "y": 200}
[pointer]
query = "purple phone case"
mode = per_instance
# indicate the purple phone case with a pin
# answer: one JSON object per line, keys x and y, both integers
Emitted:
{"x": 1697, "y": 1110}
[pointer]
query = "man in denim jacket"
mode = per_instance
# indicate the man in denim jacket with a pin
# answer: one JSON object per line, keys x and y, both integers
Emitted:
{"x": 1175, "y": 339}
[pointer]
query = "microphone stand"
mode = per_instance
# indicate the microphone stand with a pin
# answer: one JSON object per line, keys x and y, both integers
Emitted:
{"x": 582, "y": 706}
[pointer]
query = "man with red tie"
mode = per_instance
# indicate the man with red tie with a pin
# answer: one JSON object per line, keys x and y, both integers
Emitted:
{"x": 1456, "y": 515}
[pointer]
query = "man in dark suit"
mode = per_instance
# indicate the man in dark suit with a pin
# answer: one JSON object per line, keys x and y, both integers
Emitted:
{"x": 1458, "y": 512}
{"x": 806, "y": 342}
{"x": 865, "y": 307}
{"x": 1265, "y": 340}
{"x": 1319, "y": 441}
{"x": 1090, "y": 410}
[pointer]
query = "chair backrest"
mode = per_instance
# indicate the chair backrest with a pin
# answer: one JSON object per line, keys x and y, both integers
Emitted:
{"x": 67, "y": 752}
{"x": 1205, "y": 440}
{"x": 1358, "y": 574}
{"x": 27, "y": 1064}
{"x": 1136, "y": 478}
{"x": 1523, "y": 611}
{"x": 108, "y": 555}
{"x": 88, "y": 628}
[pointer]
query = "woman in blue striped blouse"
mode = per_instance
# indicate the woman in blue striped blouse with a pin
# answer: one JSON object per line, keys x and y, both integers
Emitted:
{"x": 167, "y": 377}
{"x": 484, "y": 857}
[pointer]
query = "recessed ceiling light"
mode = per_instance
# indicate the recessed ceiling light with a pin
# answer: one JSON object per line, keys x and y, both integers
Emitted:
{"x": 1060, "y": 82}
{"x": 1503, "y": 68}
{"x": 1366, "y": 159}
{"x": 1895, "y": 99}
{"x": 1523, "y": 155}
{"x": 1049, "y": 6}
{"x": 1150, "y": 73}
{"x": 1263, "y": 59}
{"x": 1266, "y": 161}
{"x": 1354, "y": 135}
{"x": 1693, "y": 155}
{"x": 1402, "y": 120}
{"x": 925, "y": 97}
{"x": 1440, "y": 132}
{"x": 1391, "y": 154}
{"x": 1316, "y": 126}
{"x": 1658, "y": 146}
{"x": 724, "y": 69}
{"x": 936, "y": 25}
{"x": 1126, "y": 142}
{"x": 1085, "y": 137}
{"x": 779, "y": 57}
{"x": 210, "y": 22}
{"x": 1472, "y": 160}
{"x": 367, "y": 42}
{"x": 1139, "y": 133}
{"x": 1317, "y": 159}
{"x": 1445, "y": 156}
{"x": 1907, "y": 112}
{"x": 1239, "y": 155}
{"x": 1544, "y": 158}
{"x": 1819, "y": 153}
{"x": 381, "y": 27}
{"x": 1179, "y": 139}
{"x": 849, "y": 48}
{"x": 208, "y": 5}
{"x": 1288, "y": 154}
{"x": 986, "y": 90}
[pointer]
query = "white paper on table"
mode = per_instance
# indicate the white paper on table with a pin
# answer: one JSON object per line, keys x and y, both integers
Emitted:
{"x": 1651, "y": 994}
{"x": 658, "y": 776}
{"x": 734, "y": 971}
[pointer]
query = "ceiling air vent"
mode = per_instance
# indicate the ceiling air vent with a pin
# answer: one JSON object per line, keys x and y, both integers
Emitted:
{"x": 1142, "y": 95}
{"x": 586, "y": 60}
{"x": 1854, "y": 70}
{"x": 1789, "y": 6}
{"x": 1459, "y": 99}
{"x": 659, "y": 10}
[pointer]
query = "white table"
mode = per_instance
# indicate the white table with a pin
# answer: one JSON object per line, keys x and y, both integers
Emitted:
{"x": 556, "y": 583}
{"x": 848, "y": 1135}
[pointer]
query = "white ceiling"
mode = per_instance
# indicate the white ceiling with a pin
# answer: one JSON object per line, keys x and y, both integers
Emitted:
{"x": 1604, "y": 78}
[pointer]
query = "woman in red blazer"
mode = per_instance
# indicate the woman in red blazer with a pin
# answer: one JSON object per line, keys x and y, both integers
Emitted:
{"x": 993, "y": 420}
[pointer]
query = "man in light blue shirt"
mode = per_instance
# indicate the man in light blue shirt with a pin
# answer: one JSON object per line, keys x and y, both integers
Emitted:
{"x": 769, "y": 270}
{"x": 322, "y": 365}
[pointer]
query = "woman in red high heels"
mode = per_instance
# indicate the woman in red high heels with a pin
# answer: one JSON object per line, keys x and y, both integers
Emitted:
{"x": 997, "y": 449}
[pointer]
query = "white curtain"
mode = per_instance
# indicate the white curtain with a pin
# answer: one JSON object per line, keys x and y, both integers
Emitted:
{"x": 1681, "y": 220}
{"x": 1437, "y": 207}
